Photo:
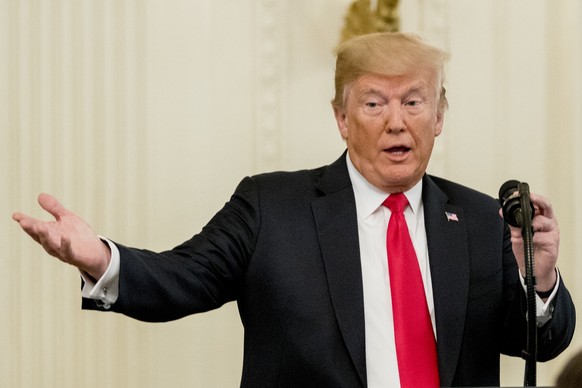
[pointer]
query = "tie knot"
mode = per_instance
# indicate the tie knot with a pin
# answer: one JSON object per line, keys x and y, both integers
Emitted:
{"x": 396, "y": 202}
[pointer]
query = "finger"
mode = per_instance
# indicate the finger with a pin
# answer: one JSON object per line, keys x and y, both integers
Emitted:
{"x": 542, "y": 205}
{"x": 28, "y": 224}
{"x": 19, "y": 216}
{"x": 23, "y": 220}
{"x": 544, "y": 224}
{"x": 50, "y": 241}
{"x": 31, "y": 230}
{"x": 52, "y": 205}
{"x": 546, "y": 241}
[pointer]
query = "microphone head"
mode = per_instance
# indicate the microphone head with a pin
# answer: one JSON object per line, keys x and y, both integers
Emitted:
{"x": 507, "y": 189}
{"x": 510, "y": 204}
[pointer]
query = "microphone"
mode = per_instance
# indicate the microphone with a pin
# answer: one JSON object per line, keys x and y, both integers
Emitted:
{"x": 518, "y": 212}
{"x": 510, "y": 198}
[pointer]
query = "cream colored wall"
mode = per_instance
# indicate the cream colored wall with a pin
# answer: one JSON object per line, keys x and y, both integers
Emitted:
{"x": 142, "y": 116}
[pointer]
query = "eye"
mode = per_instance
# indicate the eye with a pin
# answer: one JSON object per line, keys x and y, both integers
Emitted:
{"x": 413, "y": 103}
{"x": 373, "y": 107}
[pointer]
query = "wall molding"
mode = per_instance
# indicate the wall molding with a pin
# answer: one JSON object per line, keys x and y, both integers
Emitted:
{"x": 270, "y": 56}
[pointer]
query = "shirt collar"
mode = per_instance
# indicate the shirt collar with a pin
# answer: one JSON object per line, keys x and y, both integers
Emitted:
{"x": 369, "y": 198}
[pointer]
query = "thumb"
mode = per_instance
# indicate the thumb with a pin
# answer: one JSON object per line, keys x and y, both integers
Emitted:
{"x": 52, "y": 205}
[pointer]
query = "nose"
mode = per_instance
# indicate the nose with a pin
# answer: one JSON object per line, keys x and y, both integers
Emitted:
{"x": 395, "y": 119}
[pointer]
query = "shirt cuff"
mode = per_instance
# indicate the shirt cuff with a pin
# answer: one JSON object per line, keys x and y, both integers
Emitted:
{"x": 106, "y": 290}
{"x": 545, "y": 309}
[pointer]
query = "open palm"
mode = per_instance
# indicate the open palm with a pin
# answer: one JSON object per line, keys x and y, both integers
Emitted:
{"x": 68, "y": 237}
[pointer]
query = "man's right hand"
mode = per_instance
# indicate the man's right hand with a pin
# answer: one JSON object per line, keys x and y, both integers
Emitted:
{"x": 68, "y": 238}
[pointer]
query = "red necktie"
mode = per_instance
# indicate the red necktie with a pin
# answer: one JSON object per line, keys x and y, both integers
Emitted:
{"x": 415, "y": 341}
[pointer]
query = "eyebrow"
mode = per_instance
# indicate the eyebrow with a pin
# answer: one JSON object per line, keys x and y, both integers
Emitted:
{"x": 417, "y": 88}
{"x": 371, "y": 91}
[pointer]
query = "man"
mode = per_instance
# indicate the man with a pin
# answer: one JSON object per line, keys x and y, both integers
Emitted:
{"x": 308, "y": 258}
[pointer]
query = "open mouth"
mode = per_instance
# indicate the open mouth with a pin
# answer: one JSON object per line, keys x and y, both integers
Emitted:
{"x": 397, "y": 150}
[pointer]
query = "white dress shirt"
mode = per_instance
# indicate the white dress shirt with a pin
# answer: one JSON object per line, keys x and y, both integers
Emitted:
{"x": 373, "y": 217}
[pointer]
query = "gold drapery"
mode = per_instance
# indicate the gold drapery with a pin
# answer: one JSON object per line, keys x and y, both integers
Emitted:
{"x": 361, "y": 19}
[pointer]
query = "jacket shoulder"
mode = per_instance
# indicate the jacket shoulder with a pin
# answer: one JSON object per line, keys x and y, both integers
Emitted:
{"x": 463, "y": 195}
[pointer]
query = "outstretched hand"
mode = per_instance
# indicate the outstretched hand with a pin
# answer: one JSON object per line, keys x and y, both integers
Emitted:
{"x": 68, "y": 238}
{"x": 546, "y": 241}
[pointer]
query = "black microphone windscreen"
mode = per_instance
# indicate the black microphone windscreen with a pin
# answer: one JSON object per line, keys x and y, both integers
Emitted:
{"x": 507, "y": 189}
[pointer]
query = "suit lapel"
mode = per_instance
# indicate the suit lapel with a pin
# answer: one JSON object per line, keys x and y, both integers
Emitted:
{"x": 449, "y": 266}
{"x": 337, "y": 229}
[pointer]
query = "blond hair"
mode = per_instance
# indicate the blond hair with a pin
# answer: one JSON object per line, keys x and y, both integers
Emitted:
{"x": 389, "y": 54}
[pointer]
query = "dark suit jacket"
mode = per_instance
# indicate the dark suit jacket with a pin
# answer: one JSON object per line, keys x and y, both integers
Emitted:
{"x": 285, "y": 247}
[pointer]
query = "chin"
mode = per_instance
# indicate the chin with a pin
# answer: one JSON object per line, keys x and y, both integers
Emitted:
{"x": 400, "y": 182}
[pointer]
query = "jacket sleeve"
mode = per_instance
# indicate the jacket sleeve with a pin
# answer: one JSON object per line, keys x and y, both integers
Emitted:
{"x": 198, "y": 275}
{"x": 554, "y": 336}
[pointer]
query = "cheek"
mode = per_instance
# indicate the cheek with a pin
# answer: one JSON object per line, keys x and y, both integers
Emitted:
{"x": 426, "y": 144}
{"x": 363, "y": 136}
{"x": 426, "y": 132}
{"x": 364, "y": 133}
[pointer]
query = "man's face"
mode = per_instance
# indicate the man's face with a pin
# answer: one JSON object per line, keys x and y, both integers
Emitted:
{"x": 390, "y": 124}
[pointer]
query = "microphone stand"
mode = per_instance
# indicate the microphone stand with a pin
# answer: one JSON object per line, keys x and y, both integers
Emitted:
{"x": 530, "y": 353}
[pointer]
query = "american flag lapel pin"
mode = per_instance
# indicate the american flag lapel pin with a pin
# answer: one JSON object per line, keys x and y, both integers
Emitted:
{"x": 452, "y": 216}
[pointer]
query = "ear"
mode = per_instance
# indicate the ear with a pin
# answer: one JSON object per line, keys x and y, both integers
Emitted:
{"x": 440, "y": 118}
{"x": 341, "y": 119}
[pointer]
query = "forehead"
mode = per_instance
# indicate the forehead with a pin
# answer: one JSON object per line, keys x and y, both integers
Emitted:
{"x": 373, "y": 83}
